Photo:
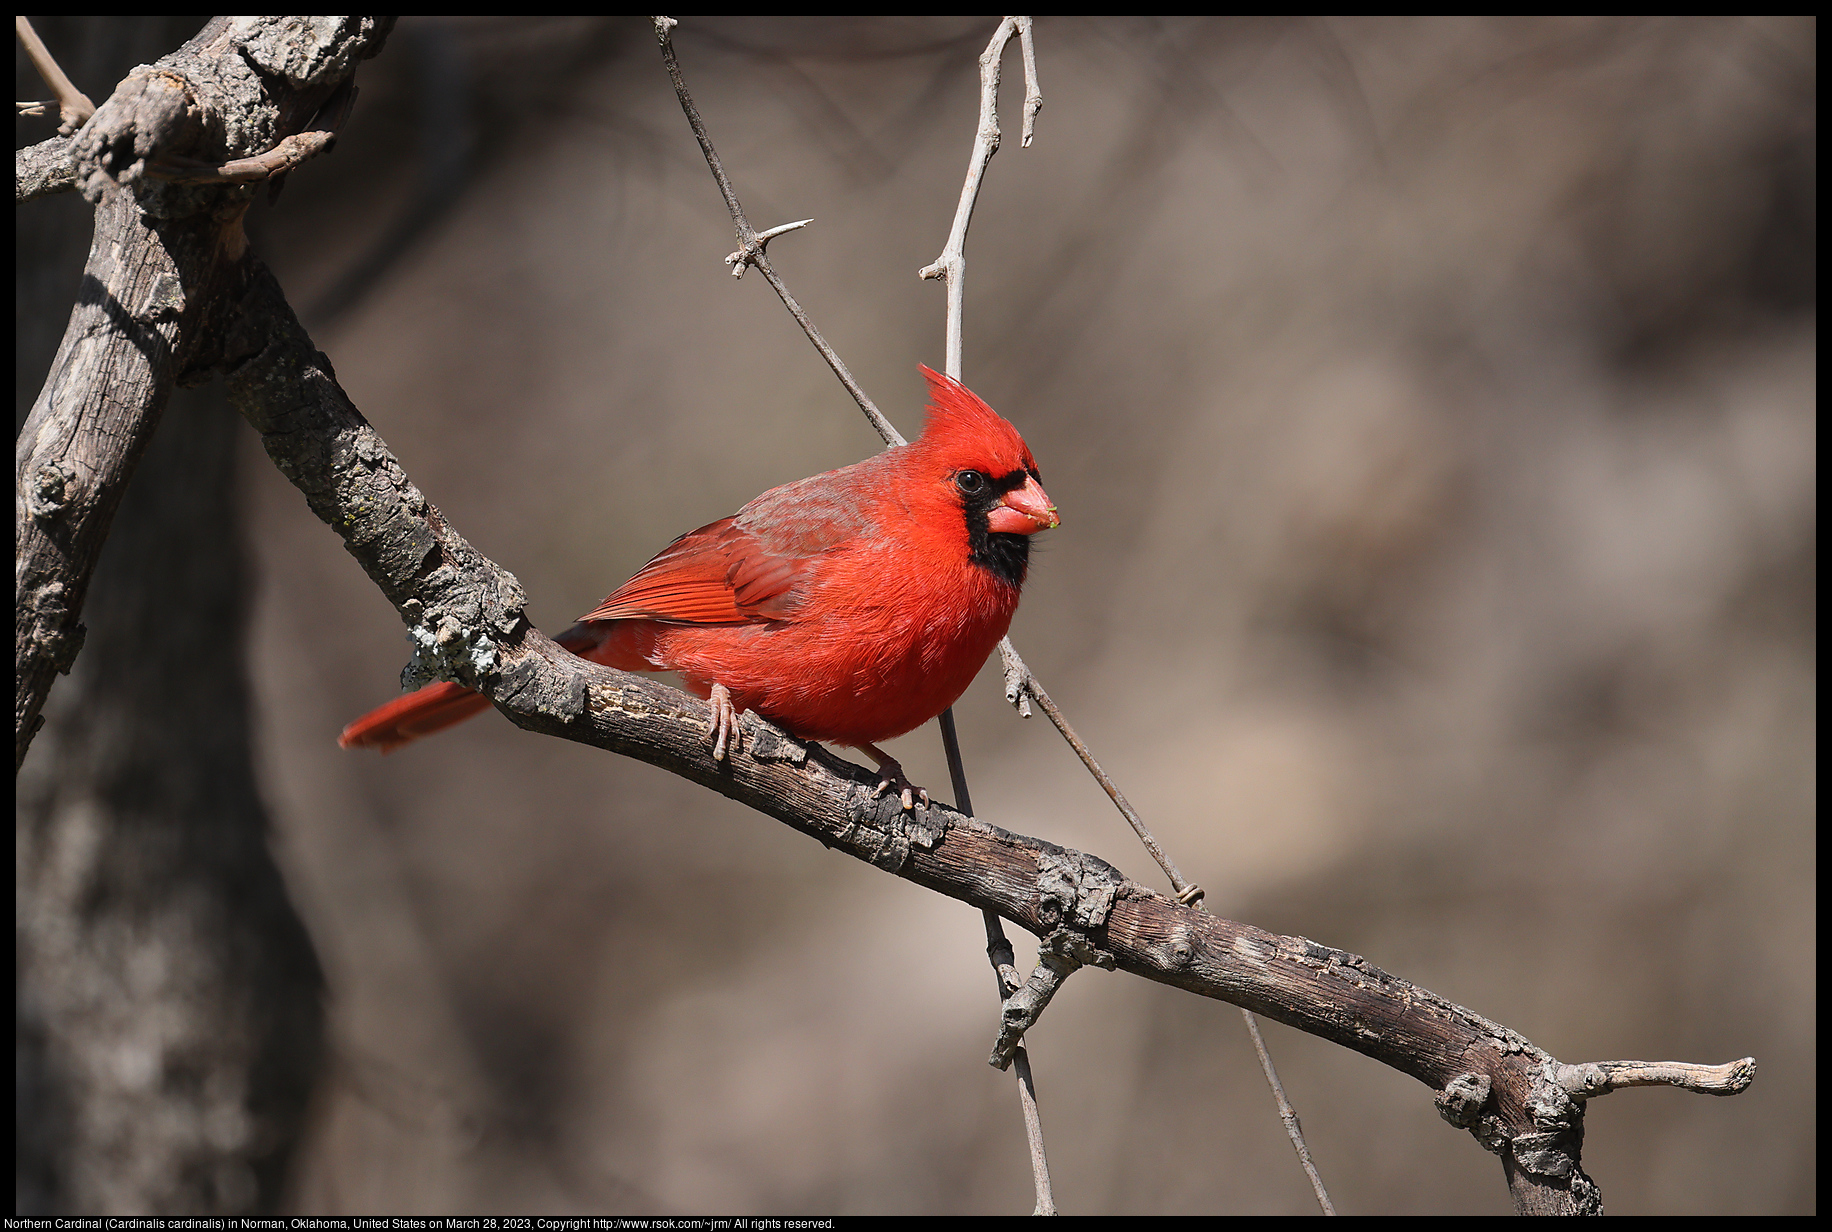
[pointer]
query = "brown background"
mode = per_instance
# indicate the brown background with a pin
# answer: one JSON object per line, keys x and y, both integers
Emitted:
{"x": 1430, "y": 405}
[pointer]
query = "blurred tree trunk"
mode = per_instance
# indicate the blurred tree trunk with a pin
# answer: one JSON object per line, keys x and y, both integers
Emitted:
{"x": 168, "y": 999}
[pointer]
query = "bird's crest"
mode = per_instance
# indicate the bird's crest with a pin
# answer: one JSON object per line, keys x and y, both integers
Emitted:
{"x": 960, "y": 425}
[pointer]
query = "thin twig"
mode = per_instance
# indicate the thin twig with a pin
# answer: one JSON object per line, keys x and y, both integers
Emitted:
{"x": 1033, "y": 97}
{"x": 1018, "y": 679}
{"x": 1033, "y": 1134}
{"x": 951, "y": 266}
{"x": 751, "y": 244}
{"x": 998, "y": 948}
{"x": 1287, "y": 1113}
{"x": 282, "y": 158}
{"x": 73, "y": 106}
{"x": 751, "y": 251}
{"x": 1020, "y": 685}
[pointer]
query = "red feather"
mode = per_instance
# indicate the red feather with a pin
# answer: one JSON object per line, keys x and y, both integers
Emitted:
{"x": 850, "y": 607}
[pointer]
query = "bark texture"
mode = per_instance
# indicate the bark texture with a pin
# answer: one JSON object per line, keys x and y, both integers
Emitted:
{"x": 168, "y": 1000}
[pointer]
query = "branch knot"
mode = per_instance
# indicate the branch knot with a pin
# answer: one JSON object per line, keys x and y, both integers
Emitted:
{"x": 1461, "y": 1100}
{"x": 1075, "y": 891}
{"x": 752, "y": 252}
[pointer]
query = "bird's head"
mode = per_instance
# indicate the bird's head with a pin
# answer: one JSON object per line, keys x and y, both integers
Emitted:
{"x": 989, "y": 472}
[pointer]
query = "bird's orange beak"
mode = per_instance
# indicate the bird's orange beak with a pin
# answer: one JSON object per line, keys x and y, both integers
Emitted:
{"x": 1023, "y": 511}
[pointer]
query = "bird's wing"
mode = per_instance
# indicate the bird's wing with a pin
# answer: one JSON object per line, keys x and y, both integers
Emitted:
{"x": 746, "y": 568}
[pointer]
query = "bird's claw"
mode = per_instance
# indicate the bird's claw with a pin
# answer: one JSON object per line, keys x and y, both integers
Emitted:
{"x": 891, "y": 778}
{"x": 907, "y": 792}
{"x": 724, "y": 722}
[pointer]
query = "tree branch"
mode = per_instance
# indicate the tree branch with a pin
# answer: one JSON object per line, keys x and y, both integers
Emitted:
{"x": 751, "y": 243}
{"x": 465, "y": 611}
{"x": 951, "y": 266}
{"x": 163, "y": 259}
{"x": 73, "y": 105}
{"x": 42, "y": 169}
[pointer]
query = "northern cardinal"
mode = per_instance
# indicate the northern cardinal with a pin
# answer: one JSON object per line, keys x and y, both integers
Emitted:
{"x": 850, "y": 607}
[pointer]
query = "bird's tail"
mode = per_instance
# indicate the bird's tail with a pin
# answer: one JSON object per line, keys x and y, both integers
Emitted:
{"x": 420, "y": 713}
{"x": 615, "y": 643}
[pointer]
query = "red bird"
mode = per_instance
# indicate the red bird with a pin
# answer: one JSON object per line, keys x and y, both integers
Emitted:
{"x": 851, "y": 607}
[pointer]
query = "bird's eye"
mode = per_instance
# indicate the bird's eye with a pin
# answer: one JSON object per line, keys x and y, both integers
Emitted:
{"x": 971, "y": 483}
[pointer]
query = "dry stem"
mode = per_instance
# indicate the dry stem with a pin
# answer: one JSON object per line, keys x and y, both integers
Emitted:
{"x": 73, "y": 106}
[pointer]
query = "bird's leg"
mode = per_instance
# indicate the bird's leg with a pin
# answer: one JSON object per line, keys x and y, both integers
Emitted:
{"x": 724, "y": 721}
{"x": 890, "y": 778}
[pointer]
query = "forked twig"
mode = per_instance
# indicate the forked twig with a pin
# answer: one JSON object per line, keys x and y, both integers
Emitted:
{"x": 73, "y": 106}
{"x": 951, "y": 266}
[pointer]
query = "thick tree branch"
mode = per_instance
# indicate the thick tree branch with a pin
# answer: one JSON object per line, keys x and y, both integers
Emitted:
{"x": 42, "y": 169}
{"x": 465, "y": 612}
{"x": 147, "y": 317}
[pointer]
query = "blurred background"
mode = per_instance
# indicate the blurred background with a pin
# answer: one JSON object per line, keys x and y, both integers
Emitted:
{"x": 1430, "y": 405}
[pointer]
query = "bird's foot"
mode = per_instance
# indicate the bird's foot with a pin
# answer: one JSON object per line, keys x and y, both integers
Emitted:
{"x": 724, "y": 722}
{"x": 891, "y": 778}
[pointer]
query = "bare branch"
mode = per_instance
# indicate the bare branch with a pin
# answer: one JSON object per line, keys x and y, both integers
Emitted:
{"x": 42, "y": 169}
{"x": 1033, "y": 97}
{"x": 1493, "y": 1080}
{"x": 1033, "y": 1133}
{"x": 1601, "y": 1077}
{"x": 74, "y": 107}
{"x": 1288, "y": 1114}
{"x": 751, "y": 245}
{"x": 951, "y": 266}
{"x": 161, "y": 265}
